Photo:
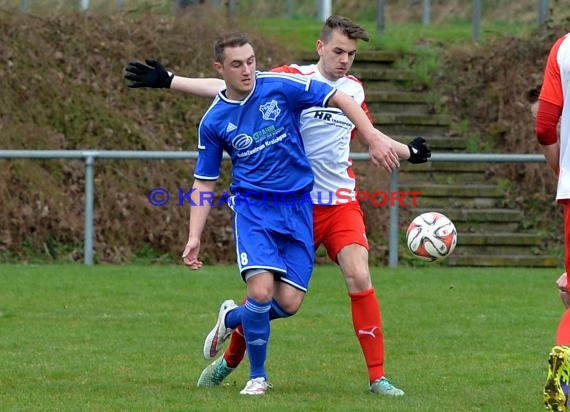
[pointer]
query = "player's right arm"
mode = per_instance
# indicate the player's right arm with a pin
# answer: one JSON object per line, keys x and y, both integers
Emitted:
{"x": 203, "y": 87}
{"x": 153, "y": 74}
{"x": 199, "y": 211}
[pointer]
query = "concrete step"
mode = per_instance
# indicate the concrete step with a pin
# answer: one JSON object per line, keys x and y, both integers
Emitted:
{"x": 399, "y": 107}
{"x": 467, "y": 250}
{"x": 394, "y": 128}
{"x": 500, "y": 239}
{"x": 443, "y": 173}
{"x": 445, "y": 203}
{"x": 488, "y": 260}
{"x": 448, "y": 192}
{"x": 366, "y": 74}
{"x": 468, "y": 218}
{"x": 376, "y": 56}
{"x": 411, "y": 119}
{"x": 397, "y": 101}
{"x": 375, "y": 95}
{"x": 455, "y": 190}
{"x": 443, "y": 178}
{"x": 465, "y": 215}
{"x": 499, "y": 243}
{"x": 444, "y": 167}
{"x": 385, "y": 85}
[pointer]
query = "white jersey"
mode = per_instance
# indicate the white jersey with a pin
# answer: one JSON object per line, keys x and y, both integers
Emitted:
{"x": 326, "y": 135}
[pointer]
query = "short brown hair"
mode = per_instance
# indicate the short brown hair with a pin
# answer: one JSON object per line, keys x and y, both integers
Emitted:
{"x": 346, "y": 26}
{"x": 229, "y": 40}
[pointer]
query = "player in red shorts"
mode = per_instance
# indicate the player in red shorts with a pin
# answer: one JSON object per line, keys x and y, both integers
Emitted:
{"x": 553, "y": 107}
{"x": 338, "y": 221}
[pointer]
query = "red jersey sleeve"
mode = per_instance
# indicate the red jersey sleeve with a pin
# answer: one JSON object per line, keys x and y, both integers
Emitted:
{"x": 286, "y": 69}
{"x": 552, "y": 85}
{"x": 551, "y": 98}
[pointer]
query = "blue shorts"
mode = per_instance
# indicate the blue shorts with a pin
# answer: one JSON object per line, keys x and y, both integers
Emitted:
{"x": 275, "y": 236}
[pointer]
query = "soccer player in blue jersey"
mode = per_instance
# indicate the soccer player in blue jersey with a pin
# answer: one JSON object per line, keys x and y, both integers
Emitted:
{"x": 256, "y": 120}
{"x": 339, "y": 227}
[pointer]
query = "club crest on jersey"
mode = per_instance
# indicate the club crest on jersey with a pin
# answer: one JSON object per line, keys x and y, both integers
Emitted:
{"x": 242, "y": 141}
{"x": 270, "y": 111}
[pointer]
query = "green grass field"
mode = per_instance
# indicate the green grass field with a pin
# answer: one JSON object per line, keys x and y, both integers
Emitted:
{"x": 111, "y": 338}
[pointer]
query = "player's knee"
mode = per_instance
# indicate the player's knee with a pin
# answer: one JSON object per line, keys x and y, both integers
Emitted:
{"x": 261, "y": 294}
{"x": 287, "y": 305}
{"x": 562, "y": 284}
{"x": 277, "y": 311}
{"x": 358, "y": 280}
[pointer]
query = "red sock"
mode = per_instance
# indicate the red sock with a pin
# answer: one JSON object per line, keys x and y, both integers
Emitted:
{"x": 563, "y": 332}
{"x": 236, "y": 349}
{"x": 368, "y": 327}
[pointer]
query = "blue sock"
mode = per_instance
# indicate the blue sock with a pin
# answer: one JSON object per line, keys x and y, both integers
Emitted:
{"x": 277, "y": 312}
{"x": 255, "y": 323}
{"x": 233, "y": 317}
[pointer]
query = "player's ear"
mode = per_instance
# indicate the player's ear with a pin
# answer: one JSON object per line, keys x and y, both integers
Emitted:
{"x": 320, "y": 47}
{"x": 219, "y": 68}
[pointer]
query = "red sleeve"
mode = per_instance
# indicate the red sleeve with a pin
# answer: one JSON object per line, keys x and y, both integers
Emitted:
{"x": 551, "y": 98}
{"x": 285, "y": 69}
{"x": 552, "y": 85}
{"x": 547, "y": 118}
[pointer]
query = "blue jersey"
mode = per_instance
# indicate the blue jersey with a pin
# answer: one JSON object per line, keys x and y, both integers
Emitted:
{"x": 261, "y": 134}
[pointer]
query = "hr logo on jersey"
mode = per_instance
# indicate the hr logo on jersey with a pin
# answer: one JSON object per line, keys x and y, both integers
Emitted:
{"x": 332, "y": 117}
{"x": 270, "y": 111}
{"x": 242, "y": 141}
{"x": 323, "y": 115}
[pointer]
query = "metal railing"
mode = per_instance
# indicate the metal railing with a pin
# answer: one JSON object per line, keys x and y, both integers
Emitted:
{"x": 89, "y": 157}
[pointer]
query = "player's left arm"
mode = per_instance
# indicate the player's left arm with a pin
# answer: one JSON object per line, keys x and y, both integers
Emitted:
{"x": 199, "y": 211}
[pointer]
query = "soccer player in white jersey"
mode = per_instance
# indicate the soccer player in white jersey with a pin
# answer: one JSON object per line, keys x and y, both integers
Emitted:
{"x": 339, "y": 225}
{"x": 554, "y": 106}
{"x": 255, "y": 119}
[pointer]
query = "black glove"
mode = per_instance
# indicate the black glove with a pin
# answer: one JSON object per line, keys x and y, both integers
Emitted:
{"x": 419, "y": 151}
{"x": 153, "y": 74}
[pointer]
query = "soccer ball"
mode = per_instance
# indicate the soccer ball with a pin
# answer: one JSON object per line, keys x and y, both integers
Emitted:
{"x": 431, "y": 236}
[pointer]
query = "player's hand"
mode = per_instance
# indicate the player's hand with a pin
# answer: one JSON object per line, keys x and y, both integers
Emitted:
{"x": 382, "y": 153}
{"x": 190, "y": 254}
{"x": 420, "y": 152}
{"x": 562, "y": 284}
{"x": 151, "y": 74}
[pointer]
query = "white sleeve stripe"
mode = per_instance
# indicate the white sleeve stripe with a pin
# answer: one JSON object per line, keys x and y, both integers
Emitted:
{"x": 293, "y": 77}
{"x": 200, "y": 177}
{"x": 200, "y": 145}
{"x": 328, "y": 97}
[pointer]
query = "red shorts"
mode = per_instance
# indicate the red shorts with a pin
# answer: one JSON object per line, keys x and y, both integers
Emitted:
{"x": 338, "y": 226}
{"x": 566, "y": 204}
